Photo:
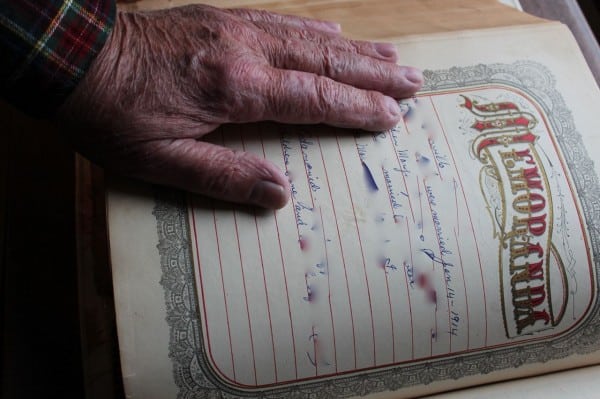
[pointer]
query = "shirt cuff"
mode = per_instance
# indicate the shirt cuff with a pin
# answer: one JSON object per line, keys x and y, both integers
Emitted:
{"x": 47, "y": 47}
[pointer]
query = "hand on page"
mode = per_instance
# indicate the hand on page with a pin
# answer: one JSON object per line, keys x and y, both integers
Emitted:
{"x": 167, "y": 78}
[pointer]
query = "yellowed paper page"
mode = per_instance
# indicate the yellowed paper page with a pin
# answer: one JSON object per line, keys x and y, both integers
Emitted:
{"x": 453, "y": 250}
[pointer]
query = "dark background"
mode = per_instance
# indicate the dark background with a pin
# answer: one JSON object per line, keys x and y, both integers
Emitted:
{"x": 41, "y": 324}
{"x": 591, "y": 10}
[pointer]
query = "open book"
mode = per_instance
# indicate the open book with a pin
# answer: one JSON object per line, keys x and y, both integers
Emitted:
{"x": 457, "y": 249}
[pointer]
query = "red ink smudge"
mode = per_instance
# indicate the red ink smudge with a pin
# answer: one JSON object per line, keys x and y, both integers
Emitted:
{"x": 422, "y": 281}
{"x": 303, "y": 244}
{"x": 432, "y": 295}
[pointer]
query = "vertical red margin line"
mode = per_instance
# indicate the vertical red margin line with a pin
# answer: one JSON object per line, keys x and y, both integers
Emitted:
{"x": 329, "y": 287}
{"x": 361, "y": 251}
{"x": 237, "y": 236}
{"x": 470, "y": 218}
{"x": 438, "y": 239}
{"x": 465, "y": 288}
{"x": 341, "y": 252}
{"x": 262, "y": 265}
{"x": 412, "y": 333}
{"x": 412, "y": 330}
{"x": 312, "y": 200}
{"x": 223, "y": 289}
{"x": 314, "y": 338}
{"x": 201, "y": 287}
{"x": 403, "y": 178}
{"x": 288, "y": 175}
{"x": 435, "y": 161}
{"x": 284, "y": 273}
{"x": 387, "y": 283}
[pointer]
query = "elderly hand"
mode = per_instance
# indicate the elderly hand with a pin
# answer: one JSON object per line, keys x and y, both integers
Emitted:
{"x": 165, "y": 79}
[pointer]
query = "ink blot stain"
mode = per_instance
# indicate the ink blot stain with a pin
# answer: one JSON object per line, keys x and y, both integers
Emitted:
{"x": 422, "y": 159}
{"x": 369, "y": 179}
{"x": 303, "y": 244}
{"x": 422, "y": 281}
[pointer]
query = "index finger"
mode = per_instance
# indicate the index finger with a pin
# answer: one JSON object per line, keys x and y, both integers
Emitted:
{"x": 290, "y": 96}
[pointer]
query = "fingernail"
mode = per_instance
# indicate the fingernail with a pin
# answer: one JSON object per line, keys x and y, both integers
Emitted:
{"x": 393, "y": 107}
{"x": 268, "y": 195}
{"x": 387, "y": 50}
{"x": 414, "y": 75}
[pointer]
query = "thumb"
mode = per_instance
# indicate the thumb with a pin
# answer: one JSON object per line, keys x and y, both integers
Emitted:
{"x": 219, "y": 172}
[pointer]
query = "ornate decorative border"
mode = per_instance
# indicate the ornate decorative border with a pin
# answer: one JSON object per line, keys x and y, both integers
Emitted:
{"x": 191, "y": 369}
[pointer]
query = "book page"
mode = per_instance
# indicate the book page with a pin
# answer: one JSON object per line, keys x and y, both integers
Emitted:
{"x": 455, "y": 232}
{"x": 454, "y": 249}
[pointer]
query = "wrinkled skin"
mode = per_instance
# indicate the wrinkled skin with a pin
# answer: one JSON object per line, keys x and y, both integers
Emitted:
{"x": 165, "y": 79}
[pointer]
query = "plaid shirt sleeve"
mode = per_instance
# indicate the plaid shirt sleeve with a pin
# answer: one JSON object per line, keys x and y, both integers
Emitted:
{"x": 46, "y": 47}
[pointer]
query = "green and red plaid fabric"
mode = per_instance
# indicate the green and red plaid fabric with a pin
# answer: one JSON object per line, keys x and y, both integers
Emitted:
{"x": 46, "y": 46}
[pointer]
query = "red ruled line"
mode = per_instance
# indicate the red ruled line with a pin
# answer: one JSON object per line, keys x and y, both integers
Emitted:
{"x": 329, "y": 287}
{"x": 237, "y": 236}
{"x": 337, "y": 226}
{"x": 464, "y": 286}
{"x": 403, "y": 177}
{"x": 438, "y": 238}
{"x": 292, "y": 196}
{"x": 362, "y": 253}
{"x": 412, "y": 264}
{"x": 287, "y": 294}
{"x": 262, "y": 265}
{"x": 223, "y": 290}
{"x": 470, "y": 219}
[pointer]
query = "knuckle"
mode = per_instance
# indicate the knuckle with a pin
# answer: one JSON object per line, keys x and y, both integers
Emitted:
{"x": 374, "y": 101}
{"x": 379, "y": 106}
{"x": 352, "y": 46}
{"x": 227, "y": 169}
{"x": 391, "y": 75}
{"x": 300, "y": 33}
{"x": 242, "y": 74}
{"x": 332, "y": 64}
{"x": 327, "y": 96}
{"x": 276, "y": 102}
{"x": 232, "y": 73}
{"x": 243, "y": 82}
